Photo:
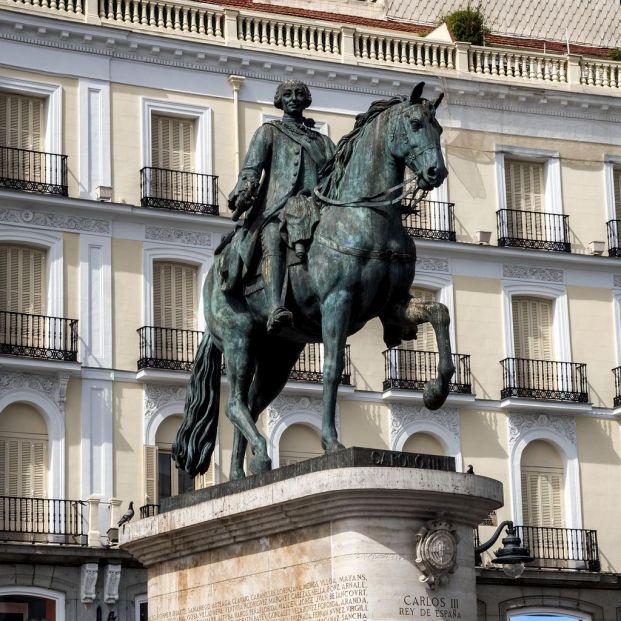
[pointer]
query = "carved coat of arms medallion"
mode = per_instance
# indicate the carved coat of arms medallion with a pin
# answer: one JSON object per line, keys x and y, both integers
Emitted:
{"x": 436, "y": 552}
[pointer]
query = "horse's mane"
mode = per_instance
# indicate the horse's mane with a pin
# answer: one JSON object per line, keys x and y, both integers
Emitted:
{"x": 332, "y": 171}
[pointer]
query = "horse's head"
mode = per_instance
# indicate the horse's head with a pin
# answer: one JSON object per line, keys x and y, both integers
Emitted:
{"x": 415, "y": 139}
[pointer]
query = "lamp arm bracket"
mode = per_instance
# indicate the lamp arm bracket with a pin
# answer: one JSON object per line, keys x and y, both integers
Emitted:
{"x": 488, "y": 544}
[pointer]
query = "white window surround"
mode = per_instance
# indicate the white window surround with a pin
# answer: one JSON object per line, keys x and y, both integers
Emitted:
{"x": 175, "y": 408}
{"x": 442, "y": 285}
{"x": 553, "y": 198}
{"x": 53, "y": 243}
{"x": 563, "y": 614}
{"x": 616, "y": 310}
{"x": 202, "y": 116}
{"x": 192, "y": 256}
{"x": 55, "y": 422}
{"x": 610, "y": 163}
{"x": 139, "y": 599}
{"x": 55, "y": 596}
{"x": 560, "y": 315}
{"x": 297, "y": 418}
{"x": 448, "y": 441}
{"x": 53, "y": 109}
{"x": 569, "y": 454}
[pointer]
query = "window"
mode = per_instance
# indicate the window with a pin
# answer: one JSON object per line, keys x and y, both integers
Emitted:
{"x": 174, "y": 295}
{"x": 524, "y": 185}
{"x": 542, "y": 479}
{"x": 298, "y": 443}
{"x": 425, "y": 337}
{"x": 162, "y": 477}
{"x": 532, "y": 328}
{"x": 22, "y": 279}
{"x": 172, "y": 143}
{"x": 616, "y": 190}
{"x": 21, "y": 120}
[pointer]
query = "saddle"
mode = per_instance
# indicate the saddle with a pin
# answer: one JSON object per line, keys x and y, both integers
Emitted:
{"x": 298, "y": 221}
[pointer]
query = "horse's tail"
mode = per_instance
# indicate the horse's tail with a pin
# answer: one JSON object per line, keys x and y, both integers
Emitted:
{"x": 196, "y": 438}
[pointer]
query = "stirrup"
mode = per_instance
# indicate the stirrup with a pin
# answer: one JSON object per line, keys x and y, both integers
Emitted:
{"x": 279, "y": 318}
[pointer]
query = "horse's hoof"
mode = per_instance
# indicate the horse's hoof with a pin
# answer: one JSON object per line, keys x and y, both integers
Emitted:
{"x": 259, "y": 463}
{"x": 435, "y": 394}
{"x": 236, "y": 475}
{"x": 333, "y": 447}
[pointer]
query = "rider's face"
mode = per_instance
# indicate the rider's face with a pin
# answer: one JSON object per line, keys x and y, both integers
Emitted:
{"x": 293, "y": 101}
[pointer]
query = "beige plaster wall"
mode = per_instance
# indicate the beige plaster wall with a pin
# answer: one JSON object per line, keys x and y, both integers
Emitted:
{"x": 479, "y": 331}
{"x": 128, "y": 437}
{"x": 22, "y": 418}
{"x": 592, "y": 339}
{"x": 599, "y": 454}
{"x": 367, "y": 361}
{"x": 127, "y": 288}
{"x": 364, "y": 424}
{"x": 73, "y": 438}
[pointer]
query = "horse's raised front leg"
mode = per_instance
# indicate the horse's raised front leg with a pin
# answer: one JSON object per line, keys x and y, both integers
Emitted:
{"x": 417, "y": 312}
{"x": 335, "y": 311}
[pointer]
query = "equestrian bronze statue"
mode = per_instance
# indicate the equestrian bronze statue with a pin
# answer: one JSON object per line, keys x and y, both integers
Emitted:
{"x": 321, "y": 251}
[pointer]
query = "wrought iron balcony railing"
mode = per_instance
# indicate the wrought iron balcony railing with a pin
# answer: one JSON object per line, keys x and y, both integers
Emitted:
{"x": 617, "y": 398}
{"x": 432, "y": 220}
{"x": 179, "y": 190}
{"x": 309, "y": 367}
{"x": 33, "y": 171}
{"x": 42, "y": 520}
{"x": 533, "y": 229}
{"x": 149, "y": 511}
{"x": 411, "y": 370}
{"x": 614, "y": 238}
{"x": 168, "y": 348}
{"x": 561, "y": 548}
{"x": 544, "y": 379}
{"x": 175, "y": 350}
{"x": 38, "y": 336}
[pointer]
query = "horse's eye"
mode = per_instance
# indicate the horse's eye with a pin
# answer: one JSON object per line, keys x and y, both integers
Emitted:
{"x": 416, "y": 125}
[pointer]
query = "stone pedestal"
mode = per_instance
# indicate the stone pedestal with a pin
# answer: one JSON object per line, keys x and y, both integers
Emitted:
{"x": 333, "y": 543}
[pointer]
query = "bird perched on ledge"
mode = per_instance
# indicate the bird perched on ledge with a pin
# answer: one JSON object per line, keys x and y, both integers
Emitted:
{"x": 128, "y": 515}
{"x": 470, "y": 469}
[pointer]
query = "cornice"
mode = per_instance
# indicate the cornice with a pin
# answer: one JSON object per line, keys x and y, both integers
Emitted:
{"x": 466, "y": 90}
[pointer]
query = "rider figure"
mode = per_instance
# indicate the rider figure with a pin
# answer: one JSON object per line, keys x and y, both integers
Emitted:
{"x": 283, "y": 160}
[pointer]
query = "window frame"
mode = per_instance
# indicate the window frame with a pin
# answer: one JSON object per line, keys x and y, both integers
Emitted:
{"x": 611, "y": 163}
{"x": 201, "y": 115}
{"x": 552, "y": 196}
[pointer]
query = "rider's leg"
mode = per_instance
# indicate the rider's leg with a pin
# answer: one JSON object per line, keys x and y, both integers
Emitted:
{"x": 273, "y": 270}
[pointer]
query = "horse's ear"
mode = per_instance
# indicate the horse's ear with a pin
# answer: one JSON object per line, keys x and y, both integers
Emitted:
{"x": 438, "y": 101}
{"x": 417, "y": 93}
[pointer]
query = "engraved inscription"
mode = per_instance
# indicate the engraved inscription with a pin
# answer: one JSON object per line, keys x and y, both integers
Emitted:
{"x": 339, "y": 599}
{"x": 430, "y": 607}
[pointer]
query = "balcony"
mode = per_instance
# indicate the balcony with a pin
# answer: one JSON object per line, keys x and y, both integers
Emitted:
{"x": 614, "y": 238}
{"x": 168, "y": 348}
{"x": 617, "y": 398}
{"x": 175, "y": 349}
{"x": 432, "y": 220}
{"x": 149, "y": 511}
{"x": 38, "y": 336}
{"x": 161, "y": 188}
{"x": 533, "y": 229}
{"x": 410, "y": 370}
{"x": 544, "y": 379}
{"x": 33, "y": 171}
{"x": 42, "y": 520}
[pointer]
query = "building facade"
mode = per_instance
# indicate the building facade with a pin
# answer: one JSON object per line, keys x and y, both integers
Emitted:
{"x": 123, "y": 124}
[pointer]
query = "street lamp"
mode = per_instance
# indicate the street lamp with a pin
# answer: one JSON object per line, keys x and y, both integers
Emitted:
{"x": 512, "y": 556}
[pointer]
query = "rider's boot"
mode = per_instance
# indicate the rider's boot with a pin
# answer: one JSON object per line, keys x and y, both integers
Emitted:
{"x": 273, "y": 277}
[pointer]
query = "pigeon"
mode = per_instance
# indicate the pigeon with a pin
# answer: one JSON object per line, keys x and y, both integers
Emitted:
{"x": 128, "y": 515}
{"x": 111, "y": 615}
{"x": 470, "y": 469}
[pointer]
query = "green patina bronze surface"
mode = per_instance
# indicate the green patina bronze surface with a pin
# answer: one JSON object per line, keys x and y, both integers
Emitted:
{"x": 321, "y": 251}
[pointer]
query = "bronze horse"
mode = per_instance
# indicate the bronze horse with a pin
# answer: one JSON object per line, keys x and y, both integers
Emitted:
{"x": 360, "y": 265}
